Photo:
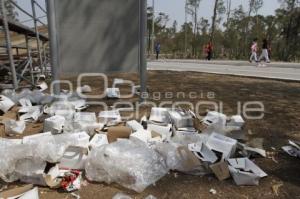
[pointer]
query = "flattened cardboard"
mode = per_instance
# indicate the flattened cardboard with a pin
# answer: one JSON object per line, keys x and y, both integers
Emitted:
{"x": 220, "y": 170}
{"x": 190, "y": 160}
{"x": 16, "y": 192}
{"x": 31, "y": 194}
{"x": 114, "y": 133}
{"x": 245, "y": 172}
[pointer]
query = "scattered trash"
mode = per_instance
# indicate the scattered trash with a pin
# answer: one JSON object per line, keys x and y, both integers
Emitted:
{"x": 28, "y": 112}
{"x": 222, "y": 144}
{"x": 98, "y": 140}
{"x": 220, "y": 170}
{"x": 42, "y": 86}
{"x": 160, "y": 116}
{"x": 13, "y": 127}
{"x": 249, "y": 151}
{"x": 181, "y": 119}
{"x": 213, "y": 191}
{"x": 76, "y": 196}
{"x": 5, "y": 103}
{"x": 134, "y": 125}
{"x": 110, "y": 118}
{"x": 84, "y": 89}
{"x": 245, "y": 172}
{"x": 131, "y": 164}
{"x": 236, "y": 121}
{"x": 115, "y": 133}
{"x": 74, "y": 158}
{"x": 54, "y": 124}
{"x": 293, "y": 149}
{"x": 121, "y": 196}
{"x": 24, "y": 192}
{"x": 215, "y": 121}
{"x": 113, "y": 93}
{"x": 202, "y": 152}
{"x": 164, "y": 131}
{"x": 276, "y": 188}
{"x": 134, "y": 155}
{"x": 150, "y": 197}
{"x": 71, "y": 181}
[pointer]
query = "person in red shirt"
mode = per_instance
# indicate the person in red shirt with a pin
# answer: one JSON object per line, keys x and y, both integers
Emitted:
{"x": 209, "y": 51}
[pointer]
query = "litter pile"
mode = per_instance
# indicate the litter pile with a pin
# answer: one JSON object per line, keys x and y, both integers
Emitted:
{"x": 293, "y": 149}
{"x": 104, "y": 148}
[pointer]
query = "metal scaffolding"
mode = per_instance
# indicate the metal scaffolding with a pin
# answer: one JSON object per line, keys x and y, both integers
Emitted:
{"x": 36, "y": 62}
{"x": 20, "y": 69}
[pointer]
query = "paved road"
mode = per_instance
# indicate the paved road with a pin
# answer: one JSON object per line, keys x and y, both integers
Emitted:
{"x": 276, "y": 70}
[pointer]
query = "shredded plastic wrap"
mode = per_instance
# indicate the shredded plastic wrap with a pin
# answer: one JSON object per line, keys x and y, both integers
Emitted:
{"x": 130, "y": 164}
{"x": 18, "y": 159}
{"x": 35, "y": 96}
{"x": 11, "y": 161}
{"x": 121, "y": 196}
{"x": 178, "y": 160}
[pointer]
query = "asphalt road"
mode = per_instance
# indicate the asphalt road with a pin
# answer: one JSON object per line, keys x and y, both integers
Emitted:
{"x": 276, "y": 70}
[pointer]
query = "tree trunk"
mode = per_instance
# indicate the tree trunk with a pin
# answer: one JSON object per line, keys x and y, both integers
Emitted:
{"x": 228, "y": 10}
{"x": 214, "y": 21}
{"x": 288, "y": 32}
{"x": 195, "y": 31}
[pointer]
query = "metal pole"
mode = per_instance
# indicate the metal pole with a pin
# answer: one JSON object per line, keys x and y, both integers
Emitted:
{"x": 37, "y": 36}
{"x": 53, "y": 44}
{"x": 142, "y": 50}
{"x": 24, "y": 11}
{"x": 185, "y": 30}
{"x": 8, "y": 45}
{"x": 38, "y": 5}
{"x": 153, "y": 24}
{"x": 29, "y": 58}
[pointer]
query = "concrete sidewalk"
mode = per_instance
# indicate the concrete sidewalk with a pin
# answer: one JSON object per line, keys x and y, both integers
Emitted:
{"x": 276, "y": 70}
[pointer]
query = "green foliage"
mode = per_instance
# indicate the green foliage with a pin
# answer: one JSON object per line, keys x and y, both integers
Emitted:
{"x": 233, "y": 40}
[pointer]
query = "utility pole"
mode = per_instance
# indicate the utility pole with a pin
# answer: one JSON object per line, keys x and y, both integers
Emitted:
{"x": 153, "y": 24}
{"x": 185, "y": 29}
{"x": 38, "y": 41}
{"x": 142, "y": 49}
{"x": 53, "y": 44}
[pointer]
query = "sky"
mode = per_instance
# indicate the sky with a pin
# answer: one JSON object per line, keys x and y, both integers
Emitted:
{"x": 174, "y": 8}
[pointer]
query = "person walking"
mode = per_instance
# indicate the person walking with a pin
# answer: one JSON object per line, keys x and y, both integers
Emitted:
{"x": 209, "y": 51}
{"x": 254, "y": 49}
{"x": 157, "y": 50}
{"x": 265, "y": 52}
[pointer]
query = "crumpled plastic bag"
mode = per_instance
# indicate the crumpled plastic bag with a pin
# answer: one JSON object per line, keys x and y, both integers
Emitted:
{"x": 130, "y": 164}
{"x": 11, "y": 161}
{"x": 17, "y": 159}
{"x": 35, "y": 96}
{"x": 177, "y": 159}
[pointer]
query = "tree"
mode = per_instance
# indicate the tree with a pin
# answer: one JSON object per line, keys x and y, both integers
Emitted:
{"x": 228, "y": 9}
{"x": 11, "y": 12}
{"x": 219, "y": 9}
{"x": 289, "y": 15}
{"x": 192, "y": 7}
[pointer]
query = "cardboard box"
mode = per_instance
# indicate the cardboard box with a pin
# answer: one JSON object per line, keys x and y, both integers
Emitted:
{"x": 220, "y": 170}
{"x": 222, "y": 144}
{"x": 98, "y": 140}
{"x": 114, "y": 133}
{"x": 74, "y": 158}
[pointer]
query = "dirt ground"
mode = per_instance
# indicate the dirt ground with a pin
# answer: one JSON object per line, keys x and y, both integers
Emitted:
{"x": 280, "y": 123}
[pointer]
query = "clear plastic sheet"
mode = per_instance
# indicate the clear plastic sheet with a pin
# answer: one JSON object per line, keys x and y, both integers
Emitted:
{"x": 130, "y": 164}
